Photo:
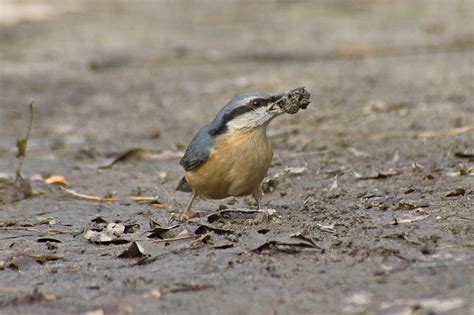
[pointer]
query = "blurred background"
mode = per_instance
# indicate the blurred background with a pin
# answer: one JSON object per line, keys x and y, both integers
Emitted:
{"x": 388, "y": 135}
{"x": 148, "y": 73}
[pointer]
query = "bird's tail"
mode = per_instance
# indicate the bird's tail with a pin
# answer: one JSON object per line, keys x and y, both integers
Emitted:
{"x": 184, "y": 185}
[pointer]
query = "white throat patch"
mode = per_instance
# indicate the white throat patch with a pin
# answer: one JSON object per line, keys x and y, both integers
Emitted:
{"x": 252, "y": 119}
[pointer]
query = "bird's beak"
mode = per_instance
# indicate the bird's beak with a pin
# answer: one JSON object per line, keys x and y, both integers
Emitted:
{"x": 274, "y": 104}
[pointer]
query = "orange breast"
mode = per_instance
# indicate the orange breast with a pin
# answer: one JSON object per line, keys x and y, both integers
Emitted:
{"x": 237, "y": 165}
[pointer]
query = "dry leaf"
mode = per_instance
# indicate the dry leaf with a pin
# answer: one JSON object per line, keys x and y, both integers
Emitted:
{"x": 467, "y": 154}
{"x": 133, "y": 251}
{"x": 56, "y": 180}
{"x": 377, "y": 175}
{"x": 162, "y": 232}
{"x": 456, "y": 192}
{"x": 104, "y": 237}
{"x": 21, "y": 146}
{"x": 205, "y": 228}
{"x": 115, "y": 228}
{"x": 136, "y": 154}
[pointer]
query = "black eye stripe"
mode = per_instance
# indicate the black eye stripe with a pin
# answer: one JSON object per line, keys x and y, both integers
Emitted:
{"x": 259, "y": 102}
{"x": 250, "y": 106}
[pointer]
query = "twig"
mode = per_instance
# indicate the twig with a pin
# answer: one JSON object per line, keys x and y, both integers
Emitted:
{"x": 176, "y": 239}
{"x": 88, "y": 197}
{"x": 22, "y": 144}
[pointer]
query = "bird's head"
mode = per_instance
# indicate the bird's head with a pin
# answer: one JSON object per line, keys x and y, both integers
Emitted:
{"x": 248, "y": 111}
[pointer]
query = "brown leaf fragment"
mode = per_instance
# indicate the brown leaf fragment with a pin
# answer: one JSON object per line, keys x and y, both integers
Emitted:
{"x": 88, "y": 197}
{"x": 132, "y": 154}
{"x": 466, "y": 154}
{"x": 205, "y": 228}
{"x": 377, "y": 175}
{"x": 223, "y": 246}
{"x": 21, "y": 147}
{"x": 162, "y": 232}
{"x": 135, "y": 250}
{"x": 145, "y": 199}
{"x": 456, "y": 192}
{"x": 463, "y": 171}
{"x": 160, "y": 206}
{"x": 99, "y": 219}
{"x": 56, "y": 180}
{"x": 204, "y": 239}
{"x": 131, "y": 227}
{"x": 411, "y": 204}
{"x": 281, "y": 246}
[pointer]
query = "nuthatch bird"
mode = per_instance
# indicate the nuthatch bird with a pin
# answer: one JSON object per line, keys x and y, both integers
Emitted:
{"x": 231, "y": 155}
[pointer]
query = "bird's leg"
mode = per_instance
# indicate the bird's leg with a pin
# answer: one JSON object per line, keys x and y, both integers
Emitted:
{"x": 188, "y": 208}
{"x": 257, "y": 195}
{"x": 188, "y": 213}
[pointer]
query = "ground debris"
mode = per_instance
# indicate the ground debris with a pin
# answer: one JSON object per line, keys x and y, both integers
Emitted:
{"x": 56, "y": 180}
{"x": 410, "y": 205}
{"x": 466, "y": 154}
{"x": 162, "y": 232}
{"x": 223, "y": 214}
{"x": 281, "y": 247}
{"x": 295, "y": 100}
{"x": 456, "y": 192}
{"x": 302, "y": 236}
{"x": 430, "y": 305}
{"x": 408, "y": 219}
{"x": 111, "y": 234}
{"x": 135, "y": 250}
{"x": 88, "y": 197}
{"x": 205, "y": 228}
{"x": 377, "y": 175}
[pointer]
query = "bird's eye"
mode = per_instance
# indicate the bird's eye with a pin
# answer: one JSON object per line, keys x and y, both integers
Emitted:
{"x": 256, "y": 103}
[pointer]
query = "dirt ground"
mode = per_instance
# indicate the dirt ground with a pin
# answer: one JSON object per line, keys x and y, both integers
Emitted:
{"x": 376, "y": 176}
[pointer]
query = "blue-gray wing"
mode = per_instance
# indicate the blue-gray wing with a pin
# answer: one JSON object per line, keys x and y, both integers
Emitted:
{"x": 198, "y": 150}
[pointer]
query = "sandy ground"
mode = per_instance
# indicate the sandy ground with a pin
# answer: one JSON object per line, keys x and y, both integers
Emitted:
{"x": 377, "y": 173}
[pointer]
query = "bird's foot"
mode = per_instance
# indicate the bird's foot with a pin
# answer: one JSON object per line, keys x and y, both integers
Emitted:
{"x": 186, "y": 215}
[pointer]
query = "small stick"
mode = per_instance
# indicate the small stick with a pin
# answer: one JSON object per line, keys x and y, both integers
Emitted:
{"x": 22, "y": 144}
